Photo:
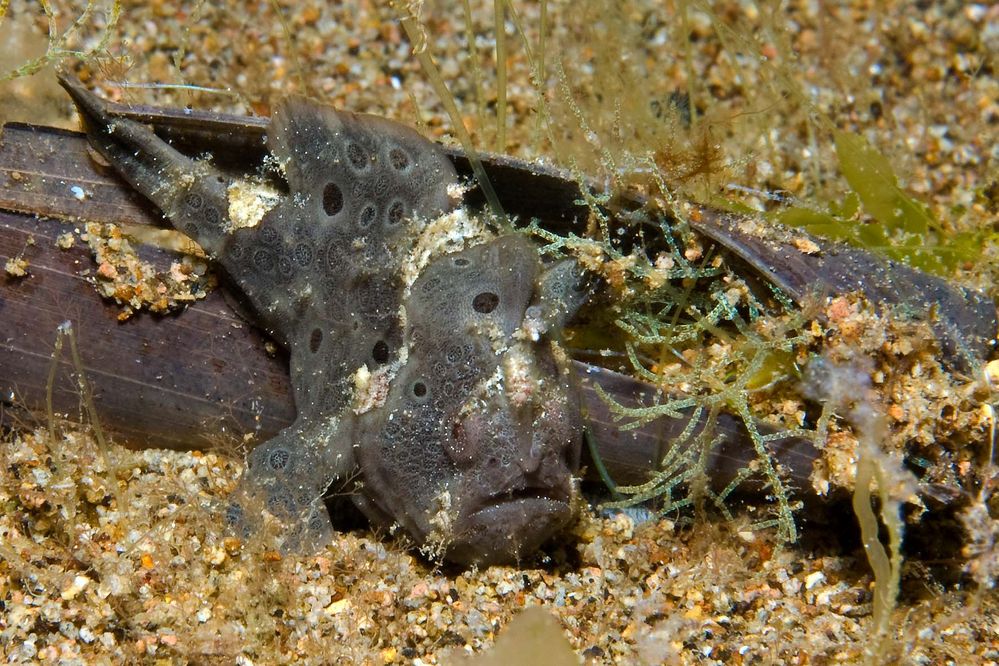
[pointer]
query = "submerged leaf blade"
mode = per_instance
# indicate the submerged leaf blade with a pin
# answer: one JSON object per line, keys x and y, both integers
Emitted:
{"x": 871, "y": 176}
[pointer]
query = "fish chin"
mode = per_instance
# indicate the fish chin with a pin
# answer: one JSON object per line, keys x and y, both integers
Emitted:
{"x": 506, "y": 531}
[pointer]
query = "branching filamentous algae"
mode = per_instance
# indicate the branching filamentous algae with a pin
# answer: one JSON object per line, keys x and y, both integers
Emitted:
{"x": 701, "y": 335}
{"x": 102, "y": 16}
{"x": 677, "y": 318}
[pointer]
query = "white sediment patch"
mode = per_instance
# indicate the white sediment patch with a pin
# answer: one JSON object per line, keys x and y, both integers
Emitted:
{"x": 451, "y": 232}
{"x": 371, "y": 389}
{"x": 249, "y": 201}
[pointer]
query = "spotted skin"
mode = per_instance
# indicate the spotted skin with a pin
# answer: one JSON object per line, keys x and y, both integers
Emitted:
{"x": 432, "y": 376}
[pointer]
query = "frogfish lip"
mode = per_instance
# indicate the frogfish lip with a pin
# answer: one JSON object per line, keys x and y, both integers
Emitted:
{"x": 506, "y": 529}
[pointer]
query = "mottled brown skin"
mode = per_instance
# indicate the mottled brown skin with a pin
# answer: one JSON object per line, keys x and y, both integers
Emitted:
{"x": 473, "y": 443}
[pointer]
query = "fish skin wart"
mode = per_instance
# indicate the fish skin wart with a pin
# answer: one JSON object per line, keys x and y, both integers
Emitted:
{"x": 409, "y": 364}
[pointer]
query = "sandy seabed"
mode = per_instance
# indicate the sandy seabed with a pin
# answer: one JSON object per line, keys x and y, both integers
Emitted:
{"x": 110, "y": 555}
